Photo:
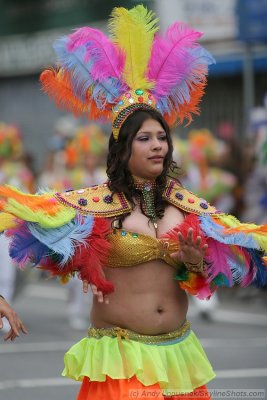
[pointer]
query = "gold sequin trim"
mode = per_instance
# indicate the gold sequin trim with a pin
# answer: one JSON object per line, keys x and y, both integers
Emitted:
{"x": 131, "y": 335}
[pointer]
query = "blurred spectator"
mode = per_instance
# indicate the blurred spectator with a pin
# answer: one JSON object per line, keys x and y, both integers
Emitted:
{"x": 235, "y": 160}
{"x": 75, "y": 161}
{"x": 13, "y": 171}
{"x": 200, "y": 156}
{"x": 255, "y": 193}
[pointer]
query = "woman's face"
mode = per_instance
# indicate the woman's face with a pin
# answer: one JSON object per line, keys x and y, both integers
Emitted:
{"x": 149, "y": 149}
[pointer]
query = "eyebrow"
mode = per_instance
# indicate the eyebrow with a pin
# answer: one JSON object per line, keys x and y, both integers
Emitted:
{"x": 148, "y": 132}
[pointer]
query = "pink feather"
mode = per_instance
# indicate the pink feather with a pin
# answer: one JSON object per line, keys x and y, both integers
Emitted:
{"x": 110, "y": 58}
{"x": 217, "y": 255}
{"x": 169, "y": 62}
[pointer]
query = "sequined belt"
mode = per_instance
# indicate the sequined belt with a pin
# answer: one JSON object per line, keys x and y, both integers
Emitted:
{"x": 131, "y": 335}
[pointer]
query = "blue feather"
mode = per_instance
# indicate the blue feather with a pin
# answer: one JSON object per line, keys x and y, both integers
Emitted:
{"x": 80, "y": 69}
{"x": 24, "y": 247}
{"x": 163, "y": 104}
{"x": 217, "y": 232}
{"x": 106, "y": 91}
{"x": 74, "y": 63}
{"x": 261, "y": 271}
{"x": 65, "y": 239}
{"x": 202, "y": 56}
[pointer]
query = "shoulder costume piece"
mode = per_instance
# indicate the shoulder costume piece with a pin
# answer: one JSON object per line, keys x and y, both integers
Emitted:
{"x": 67, "y": 233}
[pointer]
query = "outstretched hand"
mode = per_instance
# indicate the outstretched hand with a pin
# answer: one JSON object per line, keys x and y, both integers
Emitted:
{"x": 16, "y": 325}
{"x": 101, "y": 298}
{"x": 190, "y": 250}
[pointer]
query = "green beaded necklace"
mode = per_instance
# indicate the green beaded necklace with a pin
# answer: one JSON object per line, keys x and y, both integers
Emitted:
{"x": 147, "y": 189}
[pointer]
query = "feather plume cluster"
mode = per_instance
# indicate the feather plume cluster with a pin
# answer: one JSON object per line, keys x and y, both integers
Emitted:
{"x": 95, "y": 71}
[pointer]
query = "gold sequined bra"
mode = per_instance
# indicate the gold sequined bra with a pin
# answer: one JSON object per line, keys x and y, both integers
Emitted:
{"x": 130, "y": 248}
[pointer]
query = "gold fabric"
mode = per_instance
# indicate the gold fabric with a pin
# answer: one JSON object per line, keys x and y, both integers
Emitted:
{"x": 130, "y": 248}
{"x": 95, "y": 200}
{"x": 187, "y": 201}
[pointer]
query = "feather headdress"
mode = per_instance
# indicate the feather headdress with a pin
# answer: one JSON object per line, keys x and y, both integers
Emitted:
{"x": 136, "y": 68}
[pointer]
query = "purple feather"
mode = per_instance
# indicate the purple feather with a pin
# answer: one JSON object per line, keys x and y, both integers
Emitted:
{"x": 80, "y": 69}
{"x": 109, "y": 59}
{"x": 170, "y": 59}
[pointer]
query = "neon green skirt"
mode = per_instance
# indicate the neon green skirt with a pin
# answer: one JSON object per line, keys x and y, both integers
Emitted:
{"x": 178, "y": 363}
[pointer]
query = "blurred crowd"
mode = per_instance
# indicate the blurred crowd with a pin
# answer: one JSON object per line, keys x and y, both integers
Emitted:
{"x": 75, "y": 158}
{"x": 228, "y": 171}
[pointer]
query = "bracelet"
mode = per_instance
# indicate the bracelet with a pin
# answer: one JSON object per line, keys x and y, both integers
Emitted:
{"x": 198, "y": 267}
{"x": 2, "y": 297}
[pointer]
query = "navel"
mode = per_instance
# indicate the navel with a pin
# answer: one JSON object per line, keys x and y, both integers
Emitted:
{"x": 160, "y": 310}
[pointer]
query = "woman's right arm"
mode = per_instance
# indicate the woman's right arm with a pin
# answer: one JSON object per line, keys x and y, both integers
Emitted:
{"x": 15, "y": 322}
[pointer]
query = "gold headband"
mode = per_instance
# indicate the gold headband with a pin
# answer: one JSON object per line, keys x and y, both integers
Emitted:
{"x": 130, "y": 102}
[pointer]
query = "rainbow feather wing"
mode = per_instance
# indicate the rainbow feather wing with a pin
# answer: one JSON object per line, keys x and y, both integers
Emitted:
{"x": 246, "y": 245}
{"x": 235, "y": 254}
{"x": 44, "y": 231}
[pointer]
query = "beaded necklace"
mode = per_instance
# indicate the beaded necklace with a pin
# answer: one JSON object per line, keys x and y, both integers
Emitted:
{"x": 147, "y": 189}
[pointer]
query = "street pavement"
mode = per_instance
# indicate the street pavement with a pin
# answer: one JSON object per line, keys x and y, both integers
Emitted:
{"x": 234, "y": 338}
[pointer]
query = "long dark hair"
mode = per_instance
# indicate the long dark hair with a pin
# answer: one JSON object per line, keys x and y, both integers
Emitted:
{"x": 120, "y": 178}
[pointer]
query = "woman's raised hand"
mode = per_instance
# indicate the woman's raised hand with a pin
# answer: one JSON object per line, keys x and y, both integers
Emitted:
{"x": 190, "y": 250}
{"x": 101, "y": 298}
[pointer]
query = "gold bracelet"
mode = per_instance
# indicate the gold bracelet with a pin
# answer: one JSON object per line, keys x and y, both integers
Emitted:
{"x": 198, "y": 267}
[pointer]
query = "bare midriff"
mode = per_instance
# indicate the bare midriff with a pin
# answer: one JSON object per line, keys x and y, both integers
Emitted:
{"x": 146, "y": 300}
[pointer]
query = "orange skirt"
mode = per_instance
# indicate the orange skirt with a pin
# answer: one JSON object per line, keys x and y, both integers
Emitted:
{"x": 129, "y": 389}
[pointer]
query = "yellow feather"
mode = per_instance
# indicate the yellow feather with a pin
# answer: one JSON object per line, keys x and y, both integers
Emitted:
{"x": 7, "y": 221}
{"x": 63, "y": 215}
{"x": 259, "y": 232}
{"x": 133, "y": 31}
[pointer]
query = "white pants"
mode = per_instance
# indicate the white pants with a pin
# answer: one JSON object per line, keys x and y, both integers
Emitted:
{"x": 7, "y": 270}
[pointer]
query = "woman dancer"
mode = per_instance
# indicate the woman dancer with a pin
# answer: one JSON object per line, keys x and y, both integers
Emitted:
{"x": 140, "y": 240}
